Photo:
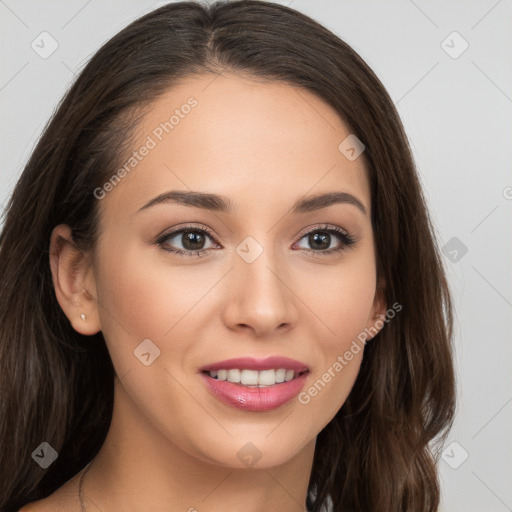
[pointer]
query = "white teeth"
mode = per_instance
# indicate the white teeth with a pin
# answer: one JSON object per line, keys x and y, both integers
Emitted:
{"x": 234, "y": 376}
{"x": 280, "y": 375}
{"x": 261, "y": 378}
{"x": 267, "y": 377}
{"x": 249, "y": 377}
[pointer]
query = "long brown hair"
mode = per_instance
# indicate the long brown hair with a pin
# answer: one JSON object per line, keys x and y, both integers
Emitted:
{"x": 379, "y": 453}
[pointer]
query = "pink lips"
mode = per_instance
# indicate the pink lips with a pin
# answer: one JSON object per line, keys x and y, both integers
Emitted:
{"x": 255, "y": 399}
{"x": 250, "y": 363}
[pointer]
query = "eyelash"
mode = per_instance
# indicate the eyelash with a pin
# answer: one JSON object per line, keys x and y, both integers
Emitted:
{"x": 346, "y": 241}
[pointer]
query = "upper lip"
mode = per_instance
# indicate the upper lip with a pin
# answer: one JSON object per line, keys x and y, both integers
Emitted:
{"x": 251, "y": 363}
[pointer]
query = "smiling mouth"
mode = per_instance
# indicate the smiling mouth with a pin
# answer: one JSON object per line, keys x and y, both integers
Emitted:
{"x": 255, "y": 378}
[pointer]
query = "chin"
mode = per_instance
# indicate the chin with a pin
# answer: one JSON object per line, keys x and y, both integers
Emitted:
{"x": 260, "y": 451}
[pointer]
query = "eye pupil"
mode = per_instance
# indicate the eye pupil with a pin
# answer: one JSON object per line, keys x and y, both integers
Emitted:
{"x": 323, "y": 239}
{"x": 192, "y": 240}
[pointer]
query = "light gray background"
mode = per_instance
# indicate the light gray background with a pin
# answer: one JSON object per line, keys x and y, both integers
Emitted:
{"x": 457, "y": 113}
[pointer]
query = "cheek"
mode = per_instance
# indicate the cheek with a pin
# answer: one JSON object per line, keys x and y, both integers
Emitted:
{"x": 343, "y": 302}
{"x": 342, "y": 299}
{"x": 140, "y": 297}
{"x": 132, "y": 304}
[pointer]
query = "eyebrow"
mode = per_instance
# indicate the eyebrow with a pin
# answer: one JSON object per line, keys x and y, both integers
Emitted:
{"x": 223, "y": 204}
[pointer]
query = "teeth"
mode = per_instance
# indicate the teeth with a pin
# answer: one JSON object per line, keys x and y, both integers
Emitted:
{"x": 261, "y": 378}
{"x": 249, "y": 377}
{"x": 267, "y": 377}
{"x": 280, "y": 374}
{"x": 234, "y": 376}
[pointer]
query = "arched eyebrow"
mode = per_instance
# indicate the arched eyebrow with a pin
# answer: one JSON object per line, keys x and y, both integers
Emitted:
{"x": 223, "y": 204}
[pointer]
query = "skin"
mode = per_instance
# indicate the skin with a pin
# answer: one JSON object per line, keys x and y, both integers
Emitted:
{"x": 171, "y": 444}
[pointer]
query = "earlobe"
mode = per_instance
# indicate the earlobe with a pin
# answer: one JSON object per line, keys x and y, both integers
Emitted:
{"x": 72, "y": 279}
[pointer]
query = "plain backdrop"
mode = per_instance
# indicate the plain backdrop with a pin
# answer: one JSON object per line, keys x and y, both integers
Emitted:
{"x": 448, "y": 68}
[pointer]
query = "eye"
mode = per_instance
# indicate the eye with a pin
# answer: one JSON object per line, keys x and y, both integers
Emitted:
{"x": 321, "y": 237}
{"x": 191, "y": 238}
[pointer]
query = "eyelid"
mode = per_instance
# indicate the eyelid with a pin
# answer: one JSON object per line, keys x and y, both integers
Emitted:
{"x": 178, "y": 229}
{"x": 345, "y": 238}
{"x": 319, "y": 227}
{"x": 305, "y": 231}
{"x": 348, "y": 241}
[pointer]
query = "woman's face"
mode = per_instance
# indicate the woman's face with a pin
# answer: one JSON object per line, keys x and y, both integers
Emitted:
{"x": 269, "y": 281}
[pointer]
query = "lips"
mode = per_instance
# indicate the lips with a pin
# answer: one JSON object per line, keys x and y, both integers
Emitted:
{"x": 250, "y": 363}
{"x": 255, "y": 384}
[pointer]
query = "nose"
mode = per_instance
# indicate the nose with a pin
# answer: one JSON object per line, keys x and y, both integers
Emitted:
{"x": 261, "y": 298}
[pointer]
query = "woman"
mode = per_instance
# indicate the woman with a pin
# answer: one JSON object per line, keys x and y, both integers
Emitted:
{"x": 221, "y": 289}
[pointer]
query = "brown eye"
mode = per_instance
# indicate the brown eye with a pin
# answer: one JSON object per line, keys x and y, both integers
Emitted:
{"x": 192, "y": 240}
{"x": 188, "y": 241}
{"x": 320, "y": 239}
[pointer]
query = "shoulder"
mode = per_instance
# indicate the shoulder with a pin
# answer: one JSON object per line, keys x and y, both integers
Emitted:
{"x": 64, "y": 499}
{"x": 50, "y": 504}
{"x": 34, "y": 506}
{"x": 46, "y": 505}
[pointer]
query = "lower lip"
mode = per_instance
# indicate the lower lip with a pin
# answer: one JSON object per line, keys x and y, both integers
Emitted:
{"x": 255, "y": 399}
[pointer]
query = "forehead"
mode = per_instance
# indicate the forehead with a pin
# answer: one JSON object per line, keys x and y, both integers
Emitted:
{"x": 240, "y": 137}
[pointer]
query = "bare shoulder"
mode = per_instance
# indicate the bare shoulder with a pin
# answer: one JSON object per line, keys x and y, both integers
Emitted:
{"x": 64, "y": 499}
{"x": 34, "y": 506}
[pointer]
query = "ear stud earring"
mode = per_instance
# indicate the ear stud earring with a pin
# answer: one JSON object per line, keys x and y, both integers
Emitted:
{"x": 83, "y": 316}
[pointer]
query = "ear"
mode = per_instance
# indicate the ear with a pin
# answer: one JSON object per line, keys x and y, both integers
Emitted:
{"x": 378, "y": 311}
{"x": 73, "y": 281}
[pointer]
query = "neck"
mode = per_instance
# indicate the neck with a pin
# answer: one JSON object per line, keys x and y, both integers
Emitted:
{"x": 137, "y": 468}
